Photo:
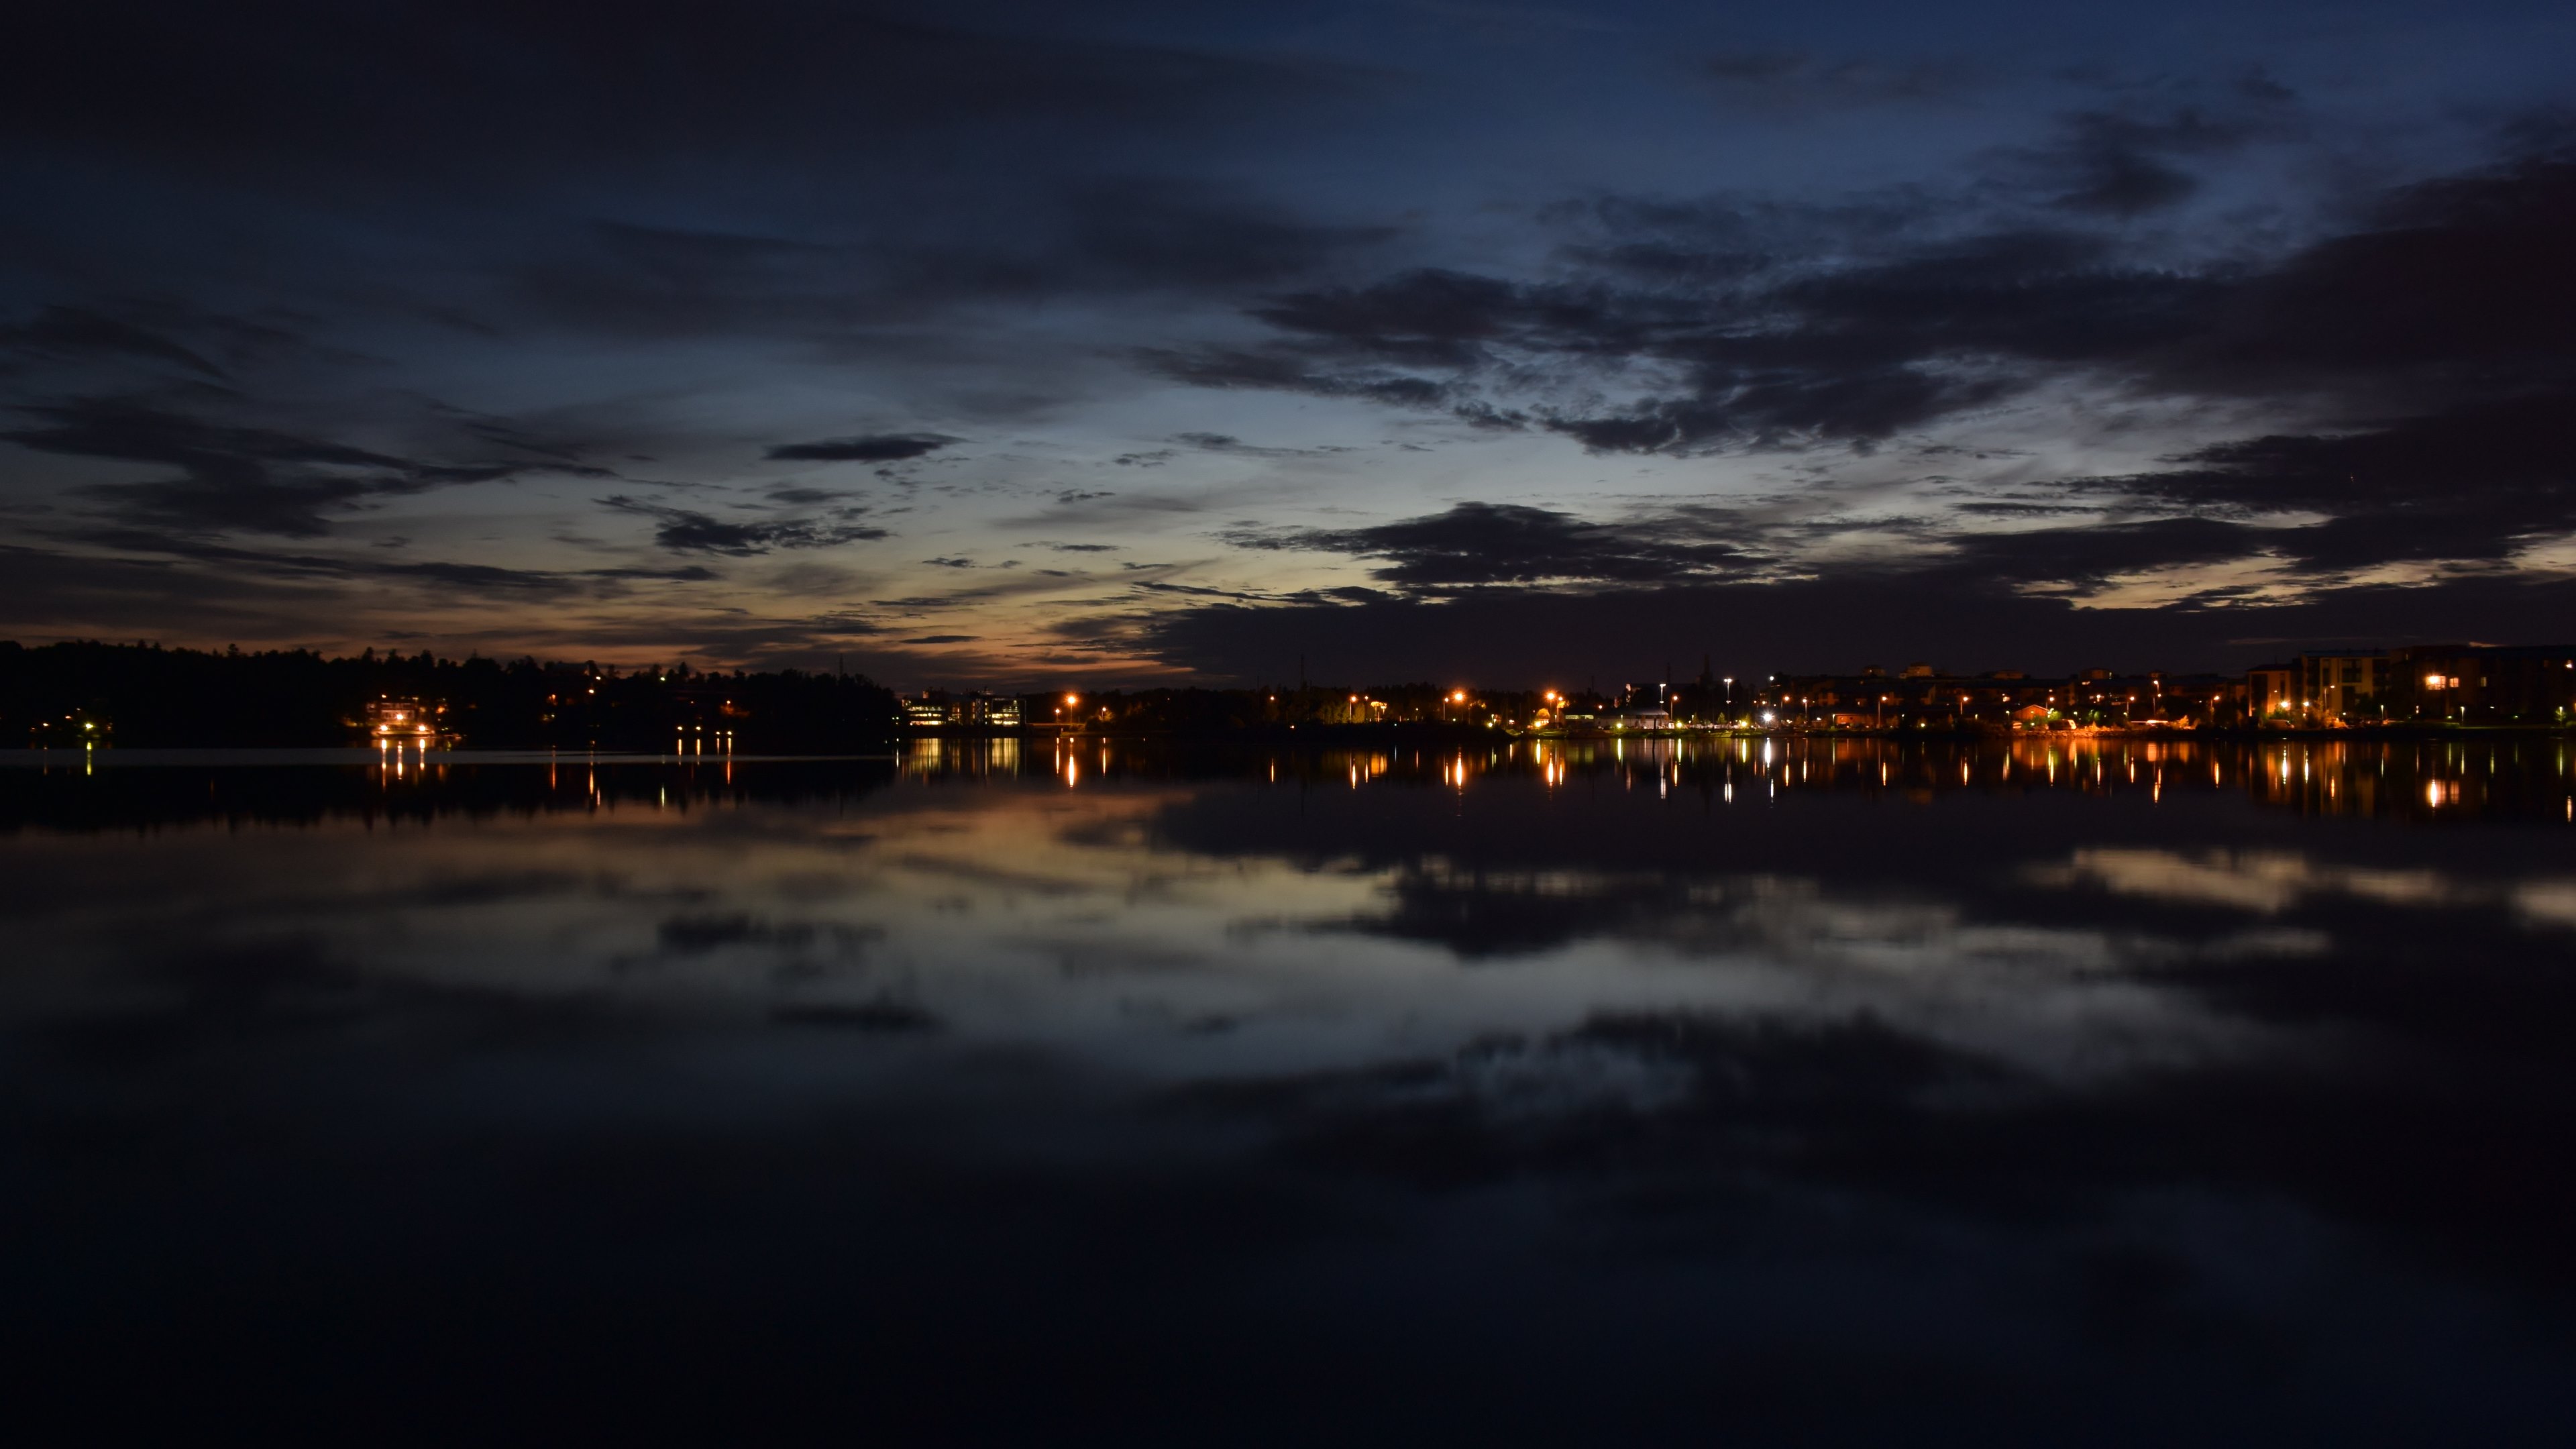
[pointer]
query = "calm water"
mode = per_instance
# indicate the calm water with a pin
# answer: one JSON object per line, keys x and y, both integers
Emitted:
{"x": 1834, "y": 1093}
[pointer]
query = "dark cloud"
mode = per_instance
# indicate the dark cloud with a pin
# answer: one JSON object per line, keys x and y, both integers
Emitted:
{"x": 2091, "y": 555}
{"x": 1483, "y": 546}
{"x": 235, "y": 477}
{"x": 1005, "y": 208}
{"x": 1431, "y": 317}
{"x": 71, "y": 331}
{"x": 874, "y": 448}
{"x": 445, "y": 99}
{"x": 1856, "y": 353}
{"x": 2471, "y": 484}
{"x": 451, "y": 579}
{"x": 1288, "y": 371}
{"x": 1232, "y": 446}
{"x": 2121, "y": 182}
{"x": 2447, "y": 288}
{"x": 856, "y": 292}
{"x": 1158, "y": 235}
{"x": 683, "y": 530}
{"x": 2451, "y": 291}
{"x": 1491, "y": 543}
{"x": 882, "y": 1015}
{"x": 1960, "y": 618}
{"x": 698, "y": 935}
{"x": 135, "y": 583}
{"x": 2125, "y": 166}
{"x": 656, "y": 282}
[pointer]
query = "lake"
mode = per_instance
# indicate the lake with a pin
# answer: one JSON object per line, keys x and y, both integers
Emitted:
{"x": 1795, "y": 1091}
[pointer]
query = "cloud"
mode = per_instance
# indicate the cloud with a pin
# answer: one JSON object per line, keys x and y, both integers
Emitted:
{"x": 2442, "y": 282}
{"x": 2475, "y": 483}
{"x": 1232, "y": 446}
{"x": 1526, "y": 636}
{"x": 2433, "y": 339}
{"x": 2451, "y": 290}
{"x": 1020, "y": 207}
{"x": 133, "y": 583}
{"x": 874, "y": 448}
{"x": 75, "y": 330}
{"x": 853, "y": 293}
{"x": 242, "y": 478}
{"x": 683, "y": 530}
{"x": 2092, "y": 554}
{"x": 1488, "y": 543}
{"x": 2125, "y": 166}
{"x": 378, "y": 96}
{"x": 450, "y": 579}
{"x": 1852, "y": 353}
{"x": 1154, "y": 234}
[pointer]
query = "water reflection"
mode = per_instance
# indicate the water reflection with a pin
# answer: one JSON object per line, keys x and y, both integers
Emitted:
{"x": 1821, "y": 1089}
{"x": 2519, "y": 775}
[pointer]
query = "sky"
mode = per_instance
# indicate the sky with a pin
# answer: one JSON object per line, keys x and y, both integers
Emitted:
{"x": 1140, "y": 343}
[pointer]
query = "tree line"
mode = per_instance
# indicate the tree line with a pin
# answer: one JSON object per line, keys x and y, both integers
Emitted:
{"x": 149, "y": 696}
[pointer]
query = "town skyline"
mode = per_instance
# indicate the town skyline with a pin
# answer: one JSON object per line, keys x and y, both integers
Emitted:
{"x": 89, "y": 696}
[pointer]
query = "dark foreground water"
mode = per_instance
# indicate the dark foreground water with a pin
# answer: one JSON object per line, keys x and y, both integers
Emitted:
{"x": 1844, "y": 1093}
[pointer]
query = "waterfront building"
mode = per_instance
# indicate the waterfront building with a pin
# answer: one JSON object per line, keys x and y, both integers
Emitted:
{"x": 1923, "y": 698}
{"x": 975, "y": 709}
{"x": 2272, "y": 691}
{"x": 402, "y": 720}
{"x": 2482, "y": 684}
{"x": 2343, "y": 689}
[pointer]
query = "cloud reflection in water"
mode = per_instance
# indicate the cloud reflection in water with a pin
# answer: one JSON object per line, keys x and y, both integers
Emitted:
{"x": 2020, "y": 1099}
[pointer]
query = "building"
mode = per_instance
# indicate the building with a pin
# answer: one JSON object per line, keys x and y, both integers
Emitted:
{"x": 1922, "y": 698}
{"x": 2272, "y": 691}
{"x": 2421, "y": 684}
{"x": 2482, "y": 684}
{"x": 1638, "y": 717}
{"x": 938, "y": 709}
{"x": 2346, "y": 687}
{"x": 402, "y": 721}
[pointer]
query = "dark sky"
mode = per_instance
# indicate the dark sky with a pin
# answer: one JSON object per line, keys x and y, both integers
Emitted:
{"x": 1423, "y": 338}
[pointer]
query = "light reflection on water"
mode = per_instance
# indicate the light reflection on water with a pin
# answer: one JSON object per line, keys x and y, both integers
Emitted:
{"x": 1799, "y": 1087}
